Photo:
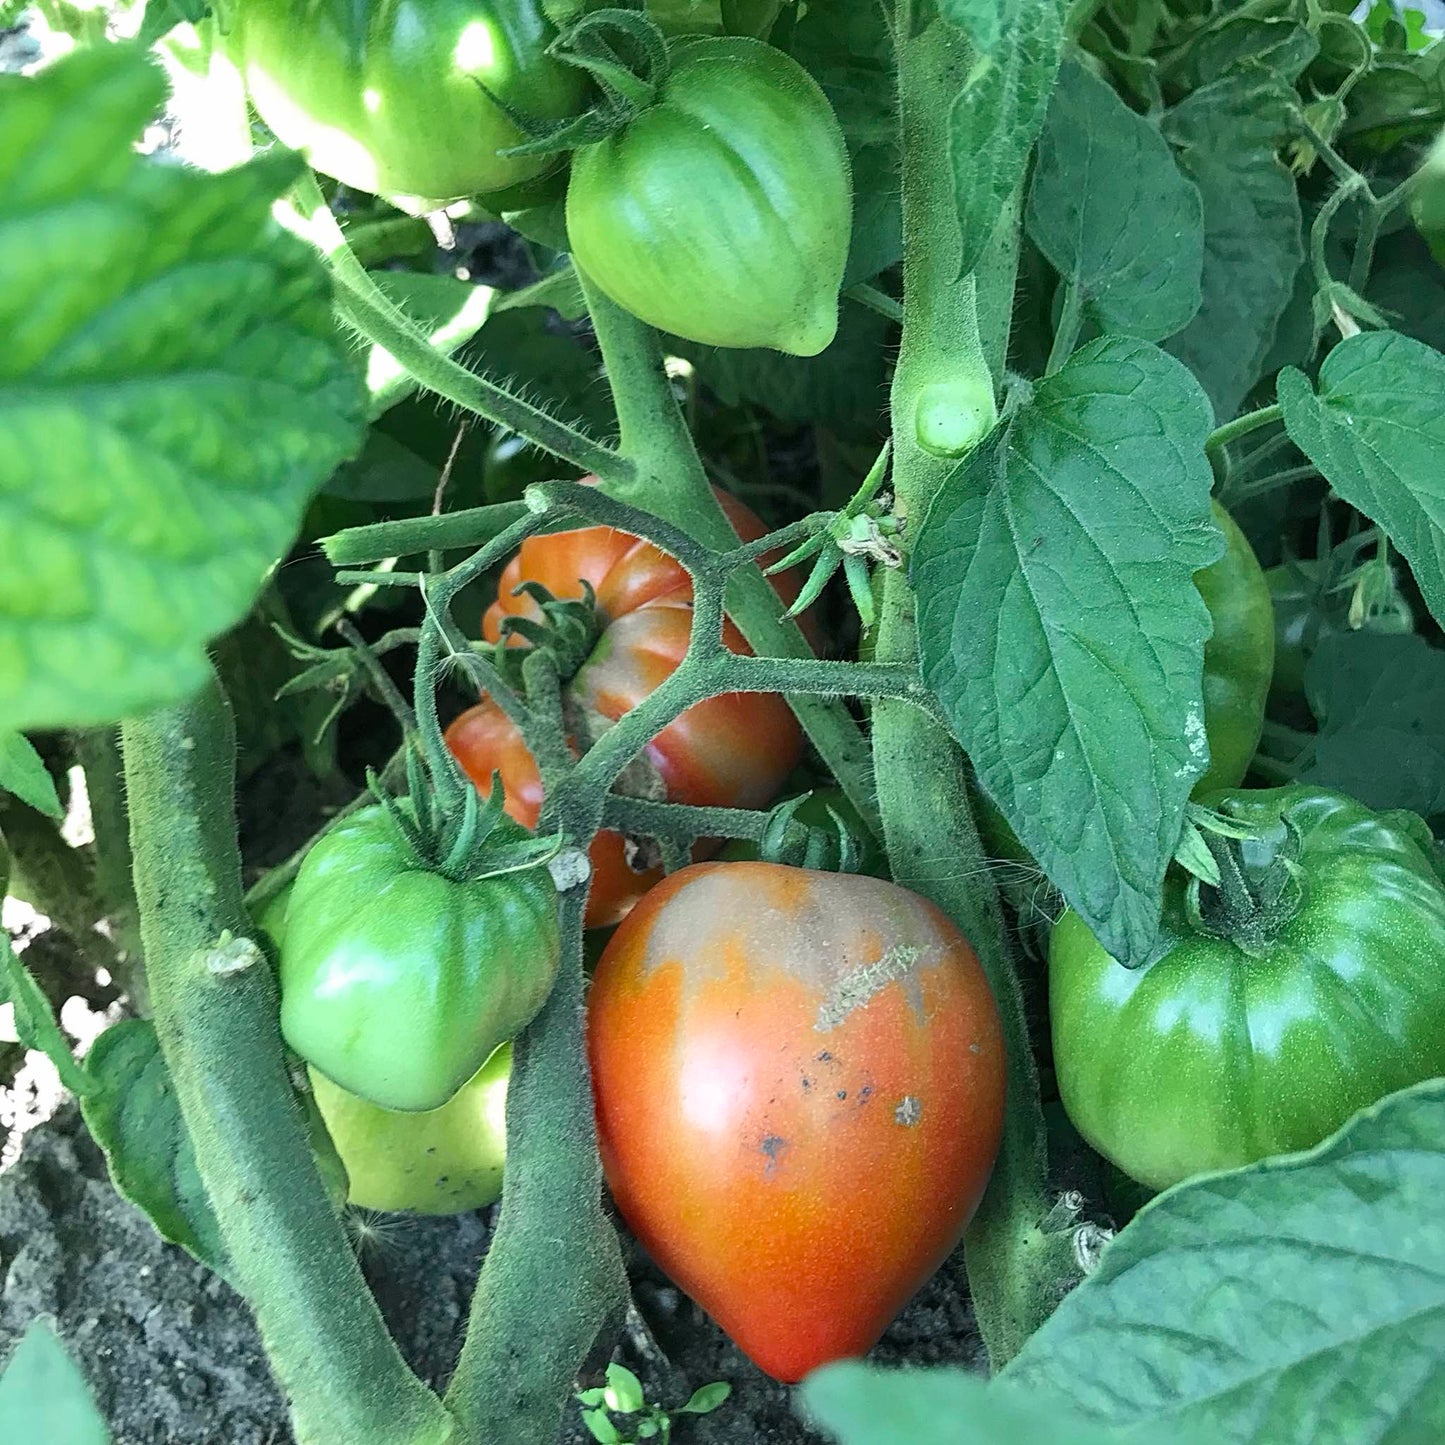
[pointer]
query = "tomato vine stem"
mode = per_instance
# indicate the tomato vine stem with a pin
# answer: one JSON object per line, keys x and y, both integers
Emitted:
{"x": 670, "y": 481}
{"x": 218, "y": 1031}
{"x": 1017, "y": 1256}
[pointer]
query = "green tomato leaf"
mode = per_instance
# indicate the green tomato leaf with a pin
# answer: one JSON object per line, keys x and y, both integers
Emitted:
{"x": 23, "y": 774}
{"x": 1113, "y": 214}
{"x": 601, "y": 1427}
{"x": 1380, "y": 702}
{"x": 132, "y": 1113}
{"x": 1227, "y": 136}
{"x": 1059, "y": 624}
{"x": 561, "y": 290}
{"x": 624, "y": 1390}
{"x": 450, "y": 312}
{"x": 998, "y": 115}
{"x": 1282, "y": 46}
{"x": 858, "y": 1404}
{"x": 173, "y": 390}
{"x": 707, "y": 1398}
{"x": 1299, "y": 1300}
{"x": 35, "y": 1024}
{"x": 1376, "y": 430}
{"x": 983, "y": 21}
{"x": 44, "y": 1397}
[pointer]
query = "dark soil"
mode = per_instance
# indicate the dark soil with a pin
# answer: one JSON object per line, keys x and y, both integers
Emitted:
{"x": 174, "y": 1358}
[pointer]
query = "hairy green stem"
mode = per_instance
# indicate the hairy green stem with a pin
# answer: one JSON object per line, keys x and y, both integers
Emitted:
{"x": 367, "y": 309}
{"x": 1241, "y": 426}
{"x": 875, "y": 300}
{"x": 671, "y": 483}
{"x": 553, "y": 1278}
{"x": 409, "y": 536}
{"x": 1014, "y": 1266}
{"x": 215, "y": 1005}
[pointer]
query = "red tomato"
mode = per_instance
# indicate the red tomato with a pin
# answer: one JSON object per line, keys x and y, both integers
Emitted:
{"x": 733, "y": 751}
{"x": 799, "y": 1081}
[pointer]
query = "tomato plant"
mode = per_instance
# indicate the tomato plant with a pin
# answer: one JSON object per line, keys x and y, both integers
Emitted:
{"x": 730, "y": 751}
{"x": 799, "y": 1081}
{"x": 394, "y": 100}
{"x": 398, "y": 982}
{"x": 722, "y": 212}
{"x": 1031, "y": 330}
{"x": 1276, "y": 1013}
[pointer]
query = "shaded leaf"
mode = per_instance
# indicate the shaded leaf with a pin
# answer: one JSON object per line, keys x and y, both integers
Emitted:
{"x": 35, "y": 1024}
{"x": 1380, "y": 702}
{"x": 1375, "y": 428}
{"x": 1227, "y": 136}
{"x": 998, "y": 115}
{"x": 133, "y": 1114}
{"x": 1112, "y": 212}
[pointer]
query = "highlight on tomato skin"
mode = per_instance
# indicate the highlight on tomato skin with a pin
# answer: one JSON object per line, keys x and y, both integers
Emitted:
{"x": 799, "y": 1083}
{"x": 732, "y": 751}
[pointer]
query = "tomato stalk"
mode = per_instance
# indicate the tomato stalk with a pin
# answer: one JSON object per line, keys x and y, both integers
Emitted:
{"x": 553, "y": 1277}
{"x": 215, "y": 1005}
{"x": 669, "y": 481}
{"x": 1016, "y": 1265}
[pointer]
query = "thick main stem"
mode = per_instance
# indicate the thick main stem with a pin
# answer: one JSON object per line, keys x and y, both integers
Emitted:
{"x": 933, "y": 846}
{"x": 671, "y": 482}
{"x": 553, "y": 1277}
{"x": 215, "y": 1007}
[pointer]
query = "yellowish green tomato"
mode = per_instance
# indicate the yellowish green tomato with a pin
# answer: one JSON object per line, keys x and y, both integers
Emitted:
{"x": 446, "y": 1161}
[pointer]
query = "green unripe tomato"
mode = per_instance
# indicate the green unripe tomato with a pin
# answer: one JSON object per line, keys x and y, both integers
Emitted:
{"x": 404, "y": 113}
{"x": 1238, "y": 658}
{"x": 1427, "y": 203}
{"x": 445, "y": 1161}
{"x": 398, "y": 983}
{"x": 950, "y": 418}
{"x": 722, "y": 213}
{"x": 1224, "y": 1052}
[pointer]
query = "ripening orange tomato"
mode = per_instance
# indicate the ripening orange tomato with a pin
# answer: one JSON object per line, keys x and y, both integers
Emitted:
{"x": 733, "y": 751}
{"x": 799, "y": 1080}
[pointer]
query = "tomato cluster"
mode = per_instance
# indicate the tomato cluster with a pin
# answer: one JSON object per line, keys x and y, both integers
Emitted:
{"x": 730, "y": 751}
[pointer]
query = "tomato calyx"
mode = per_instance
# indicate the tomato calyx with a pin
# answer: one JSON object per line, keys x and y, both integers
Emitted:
{"x": 625, "y": 54}
{"x": 831, "y": 847}
{"x": 467, "y": 844}
{"x": 567, "y": 632}
{"x": 1245, "y": 880}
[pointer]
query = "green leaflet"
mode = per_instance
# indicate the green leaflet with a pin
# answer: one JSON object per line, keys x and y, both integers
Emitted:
{"x": 1112, "y": 212}
{"x": 998, "y": 114}
{"x": 173, "y": 390}
{"x": 1296, "y": 1301}
{"x": 1376, "y": 430}
{"x": 1059, "y": 624}
{"x": 24, "y": 774}
{"x": 43, "y": 1395}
